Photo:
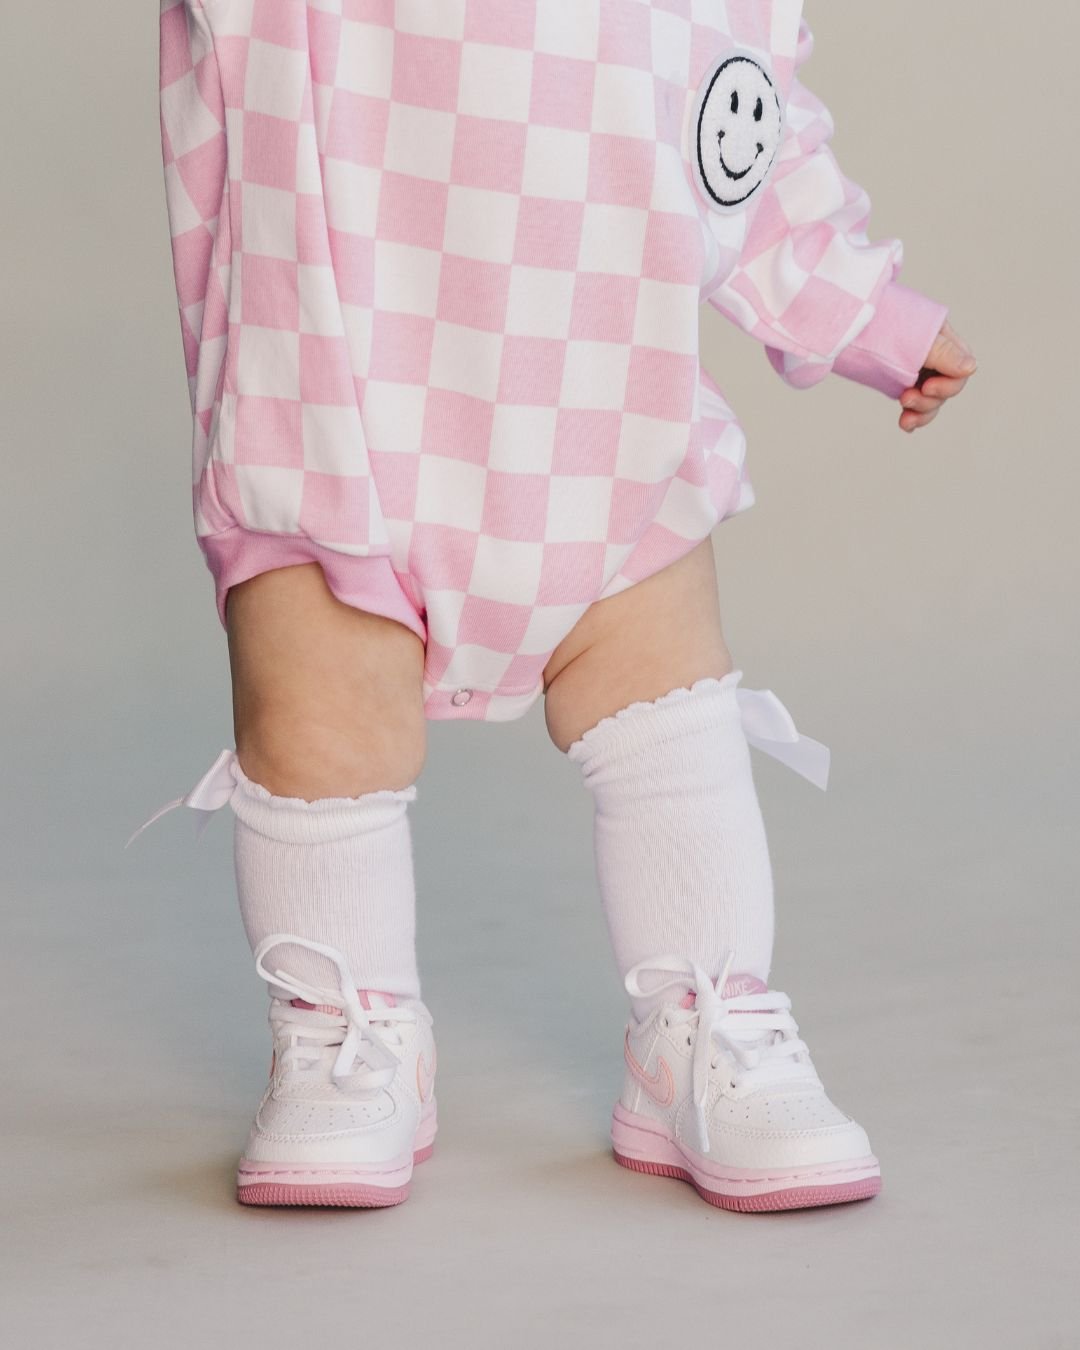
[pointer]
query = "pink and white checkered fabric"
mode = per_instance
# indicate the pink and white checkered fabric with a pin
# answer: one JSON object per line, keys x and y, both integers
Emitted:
{"x": 439, "y": 266}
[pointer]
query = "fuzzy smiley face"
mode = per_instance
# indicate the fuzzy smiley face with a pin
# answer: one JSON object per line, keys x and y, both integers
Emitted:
{"x": 739, "y": 123}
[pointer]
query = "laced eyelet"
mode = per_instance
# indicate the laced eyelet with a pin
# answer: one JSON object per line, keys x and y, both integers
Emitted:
{"x": 665, "y": 1022}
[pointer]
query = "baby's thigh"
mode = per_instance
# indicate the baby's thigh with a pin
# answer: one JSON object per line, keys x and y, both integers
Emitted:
{"x": 327, "y": 698}
{"x": 662, "y": 633}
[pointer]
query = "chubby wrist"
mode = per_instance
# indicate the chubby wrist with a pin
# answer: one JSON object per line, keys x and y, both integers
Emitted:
{"x": 890, "y": 351}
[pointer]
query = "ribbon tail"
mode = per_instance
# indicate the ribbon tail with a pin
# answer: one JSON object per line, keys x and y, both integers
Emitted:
{"x": 205, "y": 817}
{"x": 770, "y": 728}
{"x": 169, "y": 806}
{"x": 807, "y": 757}
{"x": 212, "y": 791}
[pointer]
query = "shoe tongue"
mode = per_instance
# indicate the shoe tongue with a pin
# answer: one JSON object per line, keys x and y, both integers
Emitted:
{"x": 376, "y": 998}
{"x": 316, "y": 1007}
{"x": 369, "y": 999}
{"x": 735, "y": 986}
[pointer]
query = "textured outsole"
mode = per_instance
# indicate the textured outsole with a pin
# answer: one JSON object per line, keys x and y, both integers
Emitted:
{"x": 335, "y": 1195}
{"x": 798, "y": 1197}
{"x": 646, "y": 1145}
{"x": 343, "y": 1196}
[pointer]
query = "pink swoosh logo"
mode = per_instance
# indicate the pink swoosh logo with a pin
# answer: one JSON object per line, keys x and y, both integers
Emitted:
{"x": 425, "y": 1077}
{"x": 660, "y": 1086}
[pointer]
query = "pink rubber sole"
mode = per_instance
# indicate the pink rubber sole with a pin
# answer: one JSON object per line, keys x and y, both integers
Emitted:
{"x": 644, "y": 1146}
{"x": 340, "y": 1187}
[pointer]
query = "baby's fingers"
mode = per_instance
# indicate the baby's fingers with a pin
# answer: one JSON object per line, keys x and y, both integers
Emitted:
{"x": 949, "y": 365}
{"x": 918, "y": 400}
{"x": 910, "y": 420}
{"x": 942, "y": 386}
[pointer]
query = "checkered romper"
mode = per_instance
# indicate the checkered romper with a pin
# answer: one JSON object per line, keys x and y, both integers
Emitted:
{"x": 439, "y": 266}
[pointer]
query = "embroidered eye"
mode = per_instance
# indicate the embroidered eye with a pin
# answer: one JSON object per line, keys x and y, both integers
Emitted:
{"x": 758, "y": 110}
{"x": 734, "y": 100}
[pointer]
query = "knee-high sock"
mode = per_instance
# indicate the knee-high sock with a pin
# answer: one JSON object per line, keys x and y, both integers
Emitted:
{"x": 682, "y": 860}
{"x": 337, "y": 870}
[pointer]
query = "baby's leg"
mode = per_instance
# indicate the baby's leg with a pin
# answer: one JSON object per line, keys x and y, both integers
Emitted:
{"x": 329, "y": 729}
{"x": 719, "y": 1088}
{"x": 330, "y": 736}
{"x": 327, "y": 699}
{"x": 681, "y": 854}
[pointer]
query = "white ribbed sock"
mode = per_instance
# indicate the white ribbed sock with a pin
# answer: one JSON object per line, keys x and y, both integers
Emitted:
{"x": 682, "y": 860}
{"x": 337, "y": 870}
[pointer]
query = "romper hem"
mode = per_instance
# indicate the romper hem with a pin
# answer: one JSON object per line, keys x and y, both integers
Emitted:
{"x": 366, "y": 582}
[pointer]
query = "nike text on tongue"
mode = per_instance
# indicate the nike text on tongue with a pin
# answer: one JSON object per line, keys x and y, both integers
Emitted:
{"x": 736, "y": 986}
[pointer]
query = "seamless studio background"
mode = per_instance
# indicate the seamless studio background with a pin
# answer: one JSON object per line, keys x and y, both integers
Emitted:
{"x": 912, "y": 600}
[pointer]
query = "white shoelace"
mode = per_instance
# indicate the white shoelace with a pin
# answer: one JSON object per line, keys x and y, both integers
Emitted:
{"x": 756, "y": 1033}
{"x": 360, "y": 1036}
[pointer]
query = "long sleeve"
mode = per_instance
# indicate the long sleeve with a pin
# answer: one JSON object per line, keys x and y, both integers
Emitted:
{"x": 808, "y": 283}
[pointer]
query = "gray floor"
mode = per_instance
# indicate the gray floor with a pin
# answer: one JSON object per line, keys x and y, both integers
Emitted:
{"x": 916, "y": 900}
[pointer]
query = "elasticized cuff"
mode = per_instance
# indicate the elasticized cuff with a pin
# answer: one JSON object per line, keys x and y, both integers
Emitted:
{"x": 891, "y": 350}
{"x": 295, "y": 820}
{"x": 368, "y": 582}
{"x": 642, "y": 724}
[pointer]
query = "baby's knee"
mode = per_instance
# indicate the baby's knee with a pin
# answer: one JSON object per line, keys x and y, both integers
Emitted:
{"x": 327, "y": 698}
{"x": 293, "y": 754}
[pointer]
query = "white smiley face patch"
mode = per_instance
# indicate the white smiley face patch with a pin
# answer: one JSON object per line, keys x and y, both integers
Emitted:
{"x": 738, "y": 124}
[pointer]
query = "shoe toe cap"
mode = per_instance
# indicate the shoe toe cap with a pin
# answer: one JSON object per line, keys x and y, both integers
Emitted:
{"x": 796, "y": 1128}
{"x": 361, "y": 1130}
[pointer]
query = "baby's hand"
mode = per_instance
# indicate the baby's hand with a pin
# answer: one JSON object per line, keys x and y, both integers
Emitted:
{"x": 949, "y": 366}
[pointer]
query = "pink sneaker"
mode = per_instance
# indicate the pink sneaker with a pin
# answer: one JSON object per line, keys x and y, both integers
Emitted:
{"x": 350, "y": 1106}
{"x": 721, "y": 1092}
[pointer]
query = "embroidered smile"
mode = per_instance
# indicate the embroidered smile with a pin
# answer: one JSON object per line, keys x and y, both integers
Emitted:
{"x": 731, "y": 172}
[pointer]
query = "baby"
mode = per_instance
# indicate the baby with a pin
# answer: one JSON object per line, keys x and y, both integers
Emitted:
{"x": 439, "y": 266}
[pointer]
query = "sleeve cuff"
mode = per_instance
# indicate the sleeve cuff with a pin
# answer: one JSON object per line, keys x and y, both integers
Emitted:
{"x": 891, "y": 350}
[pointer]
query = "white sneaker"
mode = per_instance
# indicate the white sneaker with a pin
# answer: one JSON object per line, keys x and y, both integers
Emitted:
{"x": 721, "y": 1092}
{"x": 350, "y": 1105}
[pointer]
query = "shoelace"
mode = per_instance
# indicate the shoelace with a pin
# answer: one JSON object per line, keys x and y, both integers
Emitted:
{"x": 313, "y": 1031}
{"x": 768, "y": 725}
{"x": 756, "y": 1032}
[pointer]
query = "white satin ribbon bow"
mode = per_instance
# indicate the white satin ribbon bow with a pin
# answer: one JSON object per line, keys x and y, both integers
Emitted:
{"x": 770, "y": 728}
{"x": 210, "y": 793}
{"x": 768, "y": 725}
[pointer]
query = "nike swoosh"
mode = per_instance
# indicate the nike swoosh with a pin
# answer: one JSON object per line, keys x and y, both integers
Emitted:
{"x": 424, "y": 1073}
{"x": 651, "y": 1082}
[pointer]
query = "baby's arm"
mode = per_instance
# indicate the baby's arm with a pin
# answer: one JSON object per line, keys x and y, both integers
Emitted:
{"x": 818, "y": 293}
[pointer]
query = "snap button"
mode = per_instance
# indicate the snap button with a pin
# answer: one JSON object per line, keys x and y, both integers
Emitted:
{"x": 460, "y": 697}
